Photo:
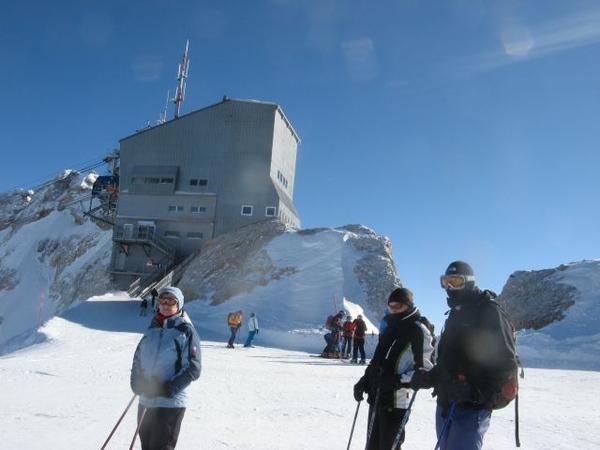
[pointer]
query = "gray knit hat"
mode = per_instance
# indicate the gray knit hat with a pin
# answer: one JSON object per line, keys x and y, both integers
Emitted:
{"x": 175, "y": 292}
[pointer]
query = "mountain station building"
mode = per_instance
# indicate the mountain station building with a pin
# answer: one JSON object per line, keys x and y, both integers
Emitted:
{"x": 198, "y": 176}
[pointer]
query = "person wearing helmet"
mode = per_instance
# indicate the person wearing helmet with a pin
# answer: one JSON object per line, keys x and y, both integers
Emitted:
{"x": 476, "y": 355}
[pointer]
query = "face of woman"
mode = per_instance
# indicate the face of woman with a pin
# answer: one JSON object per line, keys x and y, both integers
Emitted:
{"x": 167, "y": 305}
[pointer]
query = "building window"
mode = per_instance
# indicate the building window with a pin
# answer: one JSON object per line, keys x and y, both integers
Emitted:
{"x": 198, "y": 182}
{"x": 152, "y": 180}
{"x": 172, "y": 234}
{"x": 246, "y": 210}
{"x": 282, "y": 179}
{"x": 271, "y": 211}
{"x": 175, "y": 208}
{"x": 198, "y": 209}
{"x": 195, "y": 235}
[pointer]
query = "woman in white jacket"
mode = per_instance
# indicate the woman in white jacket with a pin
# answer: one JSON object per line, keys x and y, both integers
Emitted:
{"x": 252, "y": 329}
{"x": 166, "y": 361}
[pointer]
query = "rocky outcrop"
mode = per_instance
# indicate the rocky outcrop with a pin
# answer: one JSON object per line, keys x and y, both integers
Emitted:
{"x": 535, "y": 299}
{"x": 239, "y": 262}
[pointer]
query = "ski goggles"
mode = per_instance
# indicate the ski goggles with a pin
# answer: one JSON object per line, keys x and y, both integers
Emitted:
{"x": 169, "y": 301}
{"x": 455, "y": 282}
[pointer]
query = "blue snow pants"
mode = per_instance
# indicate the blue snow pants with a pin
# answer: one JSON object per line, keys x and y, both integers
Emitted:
{"x": 465, "y": 430}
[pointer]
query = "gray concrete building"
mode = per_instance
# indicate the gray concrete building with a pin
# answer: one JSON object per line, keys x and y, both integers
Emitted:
{"x": 200, "y": 175}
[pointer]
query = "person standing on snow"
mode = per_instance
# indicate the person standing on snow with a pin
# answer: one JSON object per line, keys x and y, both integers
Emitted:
{"x": 360, "y": 329}
{"x": 347, "y": 335}
{"x": 332, "y": 338}
{"x": 234, "y": 320}
{"x": 252, "y": 329}
{"x": 476, "y": 368}
{"x": 154, "y": 294}
{"x": 143, "y": 307}
{"x": 405, "y": 346}
{"x": 166, "y": 360}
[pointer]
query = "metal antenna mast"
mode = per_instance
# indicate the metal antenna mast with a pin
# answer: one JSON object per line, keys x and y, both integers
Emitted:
{"x": 163, "y": 116}
{"x": 181, "y": 76}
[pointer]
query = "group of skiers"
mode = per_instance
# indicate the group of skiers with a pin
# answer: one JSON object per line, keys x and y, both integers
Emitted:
{"x": 350, "y": 332}
{"x": 474, "y": 371}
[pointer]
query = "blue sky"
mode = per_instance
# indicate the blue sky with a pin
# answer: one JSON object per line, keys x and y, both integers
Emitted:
{"x": 460, "y": 130}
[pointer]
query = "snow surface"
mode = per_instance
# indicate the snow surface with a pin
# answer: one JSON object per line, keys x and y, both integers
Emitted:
{"x": 67, "y": 381}
{"x": 69, "y": 390}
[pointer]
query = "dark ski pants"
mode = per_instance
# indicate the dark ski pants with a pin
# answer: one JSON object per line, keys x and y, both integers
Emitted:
{"x": 160, "y": 427}
{"x": 234, "y": 331}
{"x": 359, "y": 346}
{"x": 347, "y": 346}
{"x": 385, "y": 427}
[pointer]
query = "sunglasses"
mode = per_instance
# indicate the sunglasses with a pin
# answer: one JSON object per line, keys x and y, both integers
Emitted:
{"x": 455, "y": 282}
{"x": 169, "y": 301}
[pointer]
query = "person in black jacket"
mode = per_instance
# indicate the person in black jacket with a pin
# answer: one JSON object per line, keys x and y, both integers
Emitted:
{"x": 406, "y": 345}
{"x": 359, "y": 340}
{"x": 476, "y": 359}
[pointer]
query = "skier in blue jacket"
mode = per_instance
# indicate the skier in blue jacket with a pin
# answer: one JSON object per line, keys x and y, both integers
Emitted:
{"x": 166, "y": 360}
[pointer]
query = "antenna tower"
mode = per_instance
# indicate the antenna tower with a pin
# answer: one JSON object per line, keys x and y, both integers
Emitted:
{"x": 163, "y": 115}
{"x": 181, "y": 76}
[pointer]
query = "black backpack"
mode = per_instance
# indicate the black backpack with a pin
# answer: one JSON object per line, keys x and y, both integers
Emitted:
{"x": 431, "y": 328}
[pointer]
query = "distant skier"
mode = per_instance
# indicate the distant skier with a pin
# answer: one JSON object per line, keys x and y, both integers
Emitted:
{"x": 234, "y": 320}
{"x": 143, "y": 307}
{"x": 359, "y": 340}
{"x": 252, "y": 329}
{"x": 334, "y": 325}
{"x": 154, "y": 294}
{"x": 347, "y": 336}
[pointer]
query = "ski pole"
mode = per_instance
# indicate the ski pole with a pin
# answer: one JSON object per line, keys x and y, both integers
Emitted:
{"x": 372, "y": 418}
{"x": 353, "y": 424}
{"x": 119, "y": 422}
{"x": 404, "y": 422}
{"x": 517, "y": 439}
{"x": 445, "y": 425}
{"x": 139, "y": 425}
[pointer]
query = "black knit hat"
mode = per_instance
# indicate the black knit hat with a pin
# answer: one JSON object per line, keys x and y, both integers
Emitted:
{"x": 401, "y": 295}
{"x": 460, "y": 268}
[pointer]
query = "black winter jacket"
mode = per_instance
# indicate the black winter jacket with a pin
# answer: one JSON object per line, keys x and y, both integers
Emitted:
{"x": 476, "y": 353}
{"x": 405, "y": 346}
